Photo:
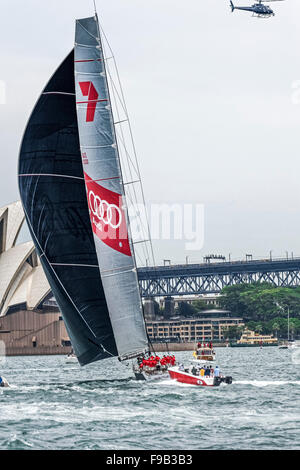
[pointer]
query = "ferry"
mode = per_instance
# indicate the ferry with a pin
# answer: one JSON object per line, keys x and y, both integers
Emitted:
{"x": 204, "y": 353}
{"x": 192, "y": 376}
{"x": 252, "y": 339}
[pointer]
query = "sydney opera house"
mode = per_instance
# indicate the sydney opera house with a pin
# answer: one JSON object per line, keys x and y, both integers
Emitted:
{"x": 29, "y": 319}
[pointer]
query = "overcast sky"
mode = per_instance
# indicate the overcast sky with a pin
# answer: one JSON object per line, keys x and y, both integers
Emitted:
{"x": 216, "y": 119}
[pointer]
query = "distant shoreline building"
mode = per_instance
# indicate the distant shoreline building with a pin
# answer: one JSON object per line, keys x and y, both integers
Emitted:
{"x": 182, "y": 329}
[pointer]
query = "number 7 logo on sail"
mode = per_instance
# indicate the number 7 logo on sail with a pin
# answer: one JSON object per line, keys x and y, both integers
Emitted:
{"x": 88, "y": 89}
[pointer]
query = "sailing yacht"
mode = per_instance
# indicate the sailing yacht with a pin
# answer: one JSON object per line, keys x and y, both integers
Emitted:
{"x": 73, "y": 195}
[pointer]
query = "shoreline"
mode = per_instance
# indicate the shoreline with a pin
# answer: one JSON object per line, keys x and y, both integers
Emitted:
{"x": 64, "y": 350}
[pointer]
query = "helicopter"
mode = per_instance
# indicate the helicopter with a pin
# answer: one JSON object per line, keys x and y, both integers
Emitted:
{"x": 258, "y": 9}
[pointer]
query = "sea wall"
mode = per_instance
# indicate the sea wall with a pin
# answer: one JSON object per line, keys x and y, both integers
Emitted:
{"x": 38, "y": 351}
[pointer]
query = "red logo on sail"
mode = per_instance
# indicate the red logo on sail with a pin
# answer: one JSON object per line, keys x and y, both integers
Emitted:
{"x": 88, "y": 89}
{"x": 107, "y": 216}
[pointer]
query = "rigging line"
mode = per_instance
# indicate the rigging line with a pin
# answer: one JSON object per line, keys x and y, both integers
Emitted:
{"x": 115, "y": 92}
{"x": 122, "y": 140}
{"x": 95, "y": 9}
{"x": 133, "y": 205}
{"x": 137, "y": 215}
{"x": 120, "y": 122}
{"x": 143, "y": 197}
{"x": 117, "y": 151}
{"x": 129, "y": 160}
{"x": 114, "y": 89}
{"x": 129, "y": 229}
{"x": 44, "y": 254}
{"x": 58, "y": 93}
{"x": 131, "y": 182}
{"x": 129, "y": 167}
{"x": 118, "y": 114}
{"x": 131, "y": 134}
{"x": 51, "y": 174}
{"x": 134, "y": 191}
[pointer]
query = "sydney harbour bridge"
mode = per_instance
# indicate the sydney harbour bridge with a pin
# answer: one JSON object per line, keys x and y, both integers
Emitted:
{"x": 210, "y": 278}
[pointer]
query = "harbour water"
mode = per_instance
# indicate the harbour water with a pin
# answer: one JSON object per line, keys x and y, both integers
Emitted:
{"x": 54, "y": 405}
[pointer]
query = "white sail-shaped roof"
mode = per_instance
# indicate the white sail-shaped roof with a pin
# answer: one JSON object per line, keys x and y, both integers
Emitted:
{"x": 22, "y": 279}
{"x": 13, "y": 218}
{"x": 38, "y": 287}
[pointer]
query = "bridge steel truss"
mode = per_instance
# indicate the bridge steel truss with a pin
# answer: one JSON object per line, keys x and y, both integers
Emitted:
{"x": 164, "y": 281}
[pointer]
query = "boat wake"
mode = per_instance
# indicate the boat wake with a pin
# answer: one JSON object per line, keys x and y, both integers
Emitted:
{"x": 102, "y": 381}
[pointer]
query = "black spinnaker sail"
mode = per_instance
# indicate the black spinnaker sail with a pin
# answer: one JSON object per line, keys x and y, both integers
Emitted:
{"x": 53, "y": 194}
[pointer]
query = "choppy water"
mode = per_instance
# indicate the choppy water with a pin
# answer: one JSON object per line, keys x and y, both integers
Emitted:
{"x": 54, "y": 405}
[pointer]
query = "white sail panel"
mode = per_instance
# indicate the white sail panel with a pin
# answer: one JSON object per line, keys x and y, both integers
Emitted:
{"x": 105, "y": 192}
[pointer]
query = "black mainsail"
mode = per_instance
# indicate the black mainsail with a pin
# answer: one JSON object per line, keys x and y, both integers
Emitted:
{"x": 53, "y": 194}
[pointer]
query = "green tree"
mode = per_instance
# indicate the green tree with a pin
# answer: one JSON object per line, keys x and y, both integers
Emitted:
{"x": 275, "y": 328}
{"x": 232, "y": 332}
{"x": 261, "y": 302}
{"x": 201, "y": 305}
{"x": 185, "y": 309}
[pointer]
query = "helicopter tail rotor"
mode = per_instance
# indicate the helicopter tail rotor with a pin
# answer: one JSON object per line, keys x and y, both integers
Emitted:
{"x": 232, "y": 5}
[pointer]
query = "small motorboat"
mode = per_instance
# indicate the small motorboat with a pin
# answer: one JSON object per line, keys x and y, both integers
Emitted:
{"x": 71, "y": 358}
{"x": 289, "y": 345}
{"x": 191, "y": 376}
{"x": 3, "y": 382}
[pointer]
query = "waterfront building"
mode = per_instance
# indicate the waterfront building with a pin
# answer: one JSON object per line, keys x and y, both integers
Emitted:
{"x": 211, "y": 328}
